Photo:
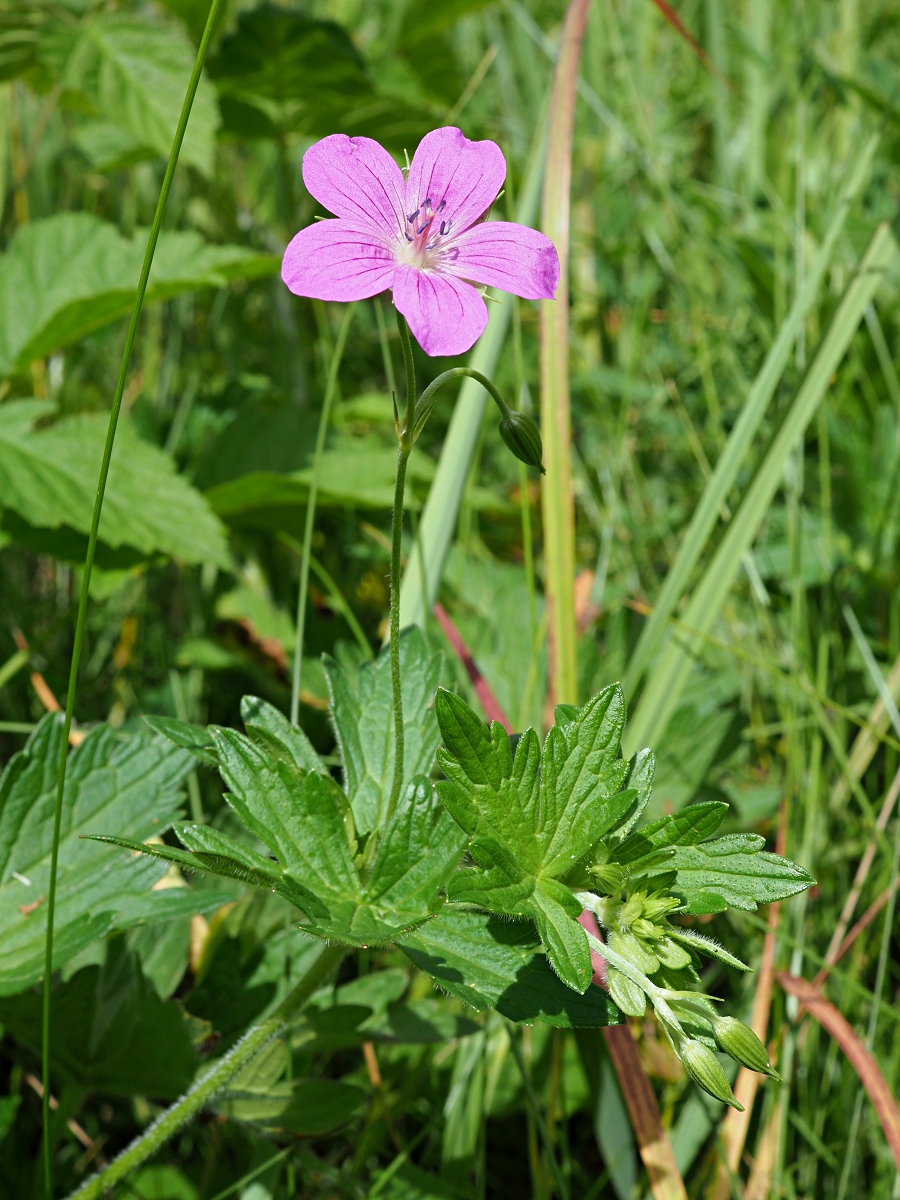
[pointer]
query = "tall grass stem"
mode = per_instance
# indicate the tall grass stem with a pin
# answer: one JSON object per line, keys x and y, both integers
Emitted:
{"x": 155, "y": 228}
{"x": 309, "y": 524}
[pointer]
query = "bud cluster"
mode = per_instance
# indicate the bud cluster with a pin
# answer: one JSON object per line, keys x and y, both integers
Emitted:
{"x": 650, "y": 960}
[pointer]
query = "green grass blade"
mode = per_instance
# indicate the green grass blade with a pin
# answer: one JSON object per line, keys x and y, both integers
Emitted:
{"x": 557, "y": 497}
{"x": 739, "y": 442}
{"x": 442, "y": 506}
{"x": 671, "y": 672}
{"x": 306, "y": 551}
{"x": 89, "y": 563}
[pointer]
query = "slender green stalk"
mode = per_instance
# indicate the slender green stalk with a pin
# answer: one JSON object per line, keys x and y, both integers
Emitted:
{"x": 406, "y": 433}
{"x": 213, "y": 1081}
{"x": 89, "y": 564}
{"x": 330, "y": 387}
{"x": 524, "y": 403}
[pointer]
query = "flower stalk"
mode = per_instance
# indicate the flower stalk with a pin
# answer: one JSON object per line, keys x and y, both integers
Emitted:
{"x": 406, "y": 436}
{"x": 521, "y": 436}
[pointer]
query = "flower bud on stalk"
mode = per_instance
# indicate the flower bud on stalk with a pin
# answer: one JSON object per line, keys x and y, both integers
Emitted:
{"x": 706, "y": 1070}
{"x": 741, "y": 1043}
{"x": 522, "y": 437}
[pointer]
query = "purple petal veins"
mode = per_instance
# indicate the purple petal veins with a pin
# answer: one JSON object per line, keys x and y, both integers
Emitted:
{"x": 422, "y": 237}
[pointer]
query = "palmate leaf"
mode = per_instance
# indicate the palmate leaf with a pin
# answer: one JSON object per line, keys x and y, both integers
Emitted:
{"x": 70, "y": 274}
{"x": 531, "y": 818}
{"x": 285, "y": 797}
{"x": 129, "y": 782}
{"x": 48, "y": 481}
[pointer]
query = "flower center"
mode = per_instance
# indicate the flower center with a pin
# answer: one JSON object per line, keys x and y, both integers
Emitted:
{"x": 424, "y": 233}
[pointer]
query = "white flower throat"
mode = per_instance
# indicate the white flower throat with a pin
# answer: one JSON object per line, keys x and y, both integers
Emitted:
{"x": 423, "y": 241}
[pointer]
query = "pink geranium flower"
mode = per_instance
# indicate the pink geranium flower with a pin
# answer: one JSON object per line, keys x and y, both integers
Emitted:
{"x": 423, "y": 237}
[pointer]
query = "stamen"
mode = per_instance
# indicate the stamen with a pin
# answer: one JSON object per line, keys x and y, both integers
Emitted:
{"x": 442, "y": 206}
{"x": 413, "y": 216}
{"x": 408, "y": 238}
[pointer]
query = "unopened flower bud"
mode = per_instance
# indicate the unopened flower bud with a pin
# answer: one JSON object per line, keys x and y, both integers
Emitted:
{"x": 741, "y": 1043}
{"x": 522, "y": 437}
{"x": 706, "y": 1070}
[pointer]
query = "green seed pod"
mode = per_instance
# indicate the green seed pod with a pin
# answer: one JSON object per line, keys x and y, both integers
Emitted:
{"x": 523, "y": 438}
{"x": 706, "y": 1070}
{"x": 739, "y": 1041}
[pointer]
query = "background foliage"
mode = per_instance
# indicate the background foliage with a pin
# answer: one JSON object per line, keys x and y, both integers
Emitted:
{"x": 701, "y": 198}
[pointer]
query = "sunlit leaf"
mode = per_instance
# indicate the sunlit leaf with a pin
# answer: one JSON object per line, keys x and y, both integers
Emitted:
{"x": 48, "y": 483}
{"x": 127, "y": 782}
{"x": 70, "y": 274}
{"x": 135, "y": 71}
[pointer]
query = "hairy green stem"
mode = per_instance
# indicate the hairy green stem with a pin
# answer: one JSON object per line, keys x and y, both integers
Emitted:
{"x": 406, "y": 432}
{"x": 324, "y": 417}
{"x": 213, "y": 1081}
{"x": 89, "y": 563}
{"x": 429, "y": 395}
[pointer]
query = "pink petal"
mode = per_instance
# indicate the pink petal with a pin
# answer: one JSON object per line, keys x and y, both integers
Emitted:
{"x": 338, "y": 260}
{"x": 358, "y": 179}
{"x": 446, "y": 316}
{"x": 504, "y": 255}
{"x": 465, "y": 175}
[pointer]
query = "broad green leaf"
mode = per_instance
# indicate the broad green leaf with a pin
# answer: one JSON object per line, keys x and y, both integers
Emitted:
{"x": 281, "y": 71}
{"x": 494, "y": 963}
{"x": 302, "y": 1106}
{"x": 305, "y": 820}
{"x": 418, "y": 1022}
{"x": 48, "y": 480}
{"x": 111, "y": 1033}
{"x": 127, "y": 782}
{"x": 196, "y": 739}
{"x": 292, "y": 72}
{"x": 417, "y": 853}
{"x": 654, "y": 843}
{"x": 734, "y": 871}
{"x": 362, "y": 710}
{"x": 135, "y": 71}
{"x": 355, "y": 473}
{"x": 532, "y": 817}
{"x": 273, "y": 731}
{"x": 70, "y": 274}
{"x": 303, "y": 817}
{"x": 20, "y": 36}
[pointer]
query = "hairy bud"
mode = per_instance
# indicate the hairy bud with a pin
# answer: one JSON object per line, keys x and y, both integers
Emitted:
{"x": 706, "y": 1070}
{"x": 741, "y": 1043}
{"x": 522, "y": 437}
